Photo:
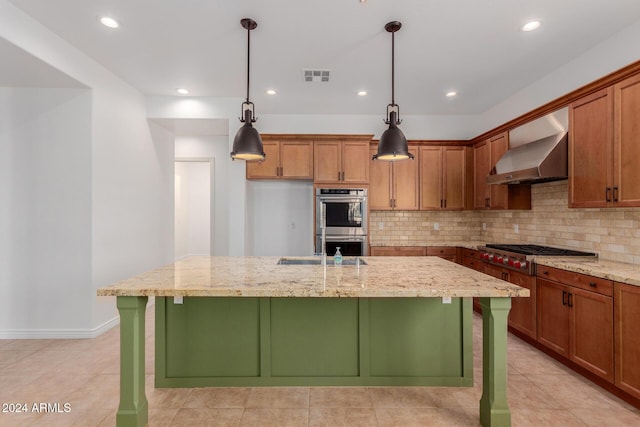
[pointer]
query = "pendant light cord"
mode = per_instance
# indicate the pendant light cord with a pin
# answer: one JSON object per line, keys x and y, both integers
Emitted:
{"x": 393, "y": 68}
{"x": 248, "y": 58}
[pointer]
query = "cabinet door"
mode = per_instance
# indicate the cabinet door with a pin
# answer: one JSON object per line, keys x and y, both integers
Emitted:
{"x": 499, "y": 193}
{"x": 379, "y": 183}
{"x": 453, "y": 160}
{"x": 355, "y": 162}
{"x": 627, "y": 338}
{"x": 553, "y": 316}
{"x": 522, "y": 316}
{"x": 591, "y": 328}
{"x": 626, "y": 180}
{"x": 431, "y": 197}
{"x": 327, "y": 160}
{"x": 591, "y": 150}
{"x": 482, "y": 165}
{"x": 269, "y": 167}
{"x": 405, "y": 182}
{"x": 296, "y": 159}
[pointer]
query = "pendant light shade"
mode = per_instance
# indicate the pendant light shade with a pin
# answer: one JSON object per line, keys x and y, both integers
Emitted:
{"x": 247, "y": 145}
{"x": 393, "y": 144}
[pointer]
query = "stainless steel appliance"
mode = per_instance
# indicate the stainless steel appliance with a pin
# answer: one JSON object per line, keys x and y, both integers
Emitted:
{"x": 349, "y": 246}
{"x": 522, "y": 257}
{"x": 343, "y": 214}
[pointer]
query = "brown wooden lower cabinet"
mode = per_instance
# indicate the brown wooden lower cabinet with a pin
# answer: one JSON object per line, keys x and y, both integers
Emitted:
{"x": 627, "y": 338}
{"x": 450, "y": 253}
{"x": 473, "y": 259}
{"x": 576, "y": 323}
{"x": 522, "y": 316}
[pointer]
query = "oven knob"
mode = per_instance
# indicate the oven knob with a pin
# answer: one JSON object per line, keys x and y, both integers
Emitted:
{"x": 511, "y": 262}
{"x": 516, "y": 264}
{"x": 498, "y": 259}
{"x": 485, "y": 256}
{"x": 505, "y": 260}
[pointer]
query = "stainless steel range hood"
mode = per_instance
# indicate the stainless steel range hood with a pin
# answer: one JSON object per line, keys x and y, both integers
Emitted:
{"x": 538, "y": 153}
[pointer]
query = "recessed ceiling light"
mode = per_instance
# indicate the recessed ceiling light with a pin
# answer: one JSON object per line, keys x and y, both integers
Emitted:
{"x": 362, "y": 93}
{"x": 109, "y": 22}
{"x": 451, "y": 94}
{"x": 530, "y": 26}
{"x": 271, "y": 92}
{"x": 182, "y": 91}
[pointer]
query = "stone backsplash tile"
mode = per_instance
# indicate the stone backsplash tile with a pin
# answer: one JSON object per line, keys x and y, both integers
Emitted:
{"x": 613, "y": 233}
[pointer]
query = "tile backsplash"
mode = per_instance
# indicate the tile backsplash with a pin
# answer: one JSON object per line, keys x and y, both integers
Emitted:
{"x": 612, "y": 233}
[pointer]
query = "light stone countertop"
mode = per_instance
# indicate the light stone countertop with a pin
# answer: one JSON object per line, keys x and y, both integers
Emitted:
{"x": 605, "y": 269}
{"x": 262, "y": 277}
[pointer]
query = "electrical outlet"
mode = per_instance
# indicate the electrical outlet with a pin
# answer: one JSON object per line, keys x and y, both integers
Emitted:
{"x": 436, "y": 226}
{"x": 484, "y": 226}
{"x": 516, "y": 228}
{"x": 446, "y": 300}
{"x": 177, "y": 300}
{"x": 381, "y": 226}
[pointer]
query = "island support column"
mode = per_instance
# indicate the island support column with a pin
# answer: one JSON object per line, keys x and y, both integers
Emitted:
{"x": 133, "y": 410}
{"x": 494, "y": 410}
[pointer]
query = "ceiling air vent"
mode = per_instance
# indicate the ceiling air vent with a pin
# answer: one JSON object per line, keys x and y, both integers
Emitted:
{"x": 312, "y": 76}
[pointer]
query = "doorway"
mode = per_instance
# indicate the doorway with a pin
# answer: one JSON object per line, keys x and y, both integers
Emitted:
{"x": 193, "y": 207}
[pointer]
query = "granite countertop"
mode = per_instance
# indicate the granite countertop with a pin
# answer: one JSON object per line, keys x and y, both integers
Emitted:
{"x": 605, "y": 269}
{"x": 264, "y": 277}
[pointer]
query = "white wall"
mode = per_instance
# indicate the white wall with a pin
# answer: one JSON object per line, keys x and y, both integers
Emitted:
{"x": 129, "y": 173}
{"x": 45, "y": 218}
{"x": 212, "y": 147}
{"x": 282, "y": 218}
{"x": 192, "y": 208}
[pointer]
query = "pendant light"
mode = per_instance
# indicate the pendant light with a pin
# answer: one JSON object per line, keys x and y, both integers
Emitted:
{"x": 393, "y": 144}
{"x": 247, "y": 145}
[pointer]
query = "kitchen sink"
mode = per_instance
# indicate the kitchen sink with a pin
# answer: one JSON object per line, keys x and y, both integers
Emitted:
{"x": 316, "y": 261}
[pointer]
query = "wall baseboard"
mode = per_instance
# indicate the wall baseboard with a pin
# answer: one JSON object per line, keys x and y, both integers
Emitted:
{"x": 59, "y": 333}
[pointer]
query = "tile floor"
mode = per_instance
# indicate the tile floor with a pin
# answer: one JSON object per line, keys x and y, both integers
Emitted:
{"x": 84, "y": 374}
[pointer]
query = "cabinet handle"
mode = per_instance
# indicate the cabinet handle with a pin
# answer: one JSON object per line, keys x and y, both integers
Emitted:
{"x": 564, "y": 297}
{"x": 441, "y": 203}
{"x": 570, "y": 299}
{"x": 607, "y": 194}
{"x": 343, "y": 175}
{"x": 393, "y": 201}
{"x": 615, "y": 194}
{"x": 445, "y": 203}
{"x": 546, "y": 272}
{"x": 592, "y": 284}
{"x": 339, "y": 175}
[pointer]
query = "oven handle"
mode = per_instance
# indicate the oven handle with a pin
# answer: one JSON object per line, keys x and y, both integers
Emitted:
{"x": 325, "y": 199}
{"x": 345, "y": 239}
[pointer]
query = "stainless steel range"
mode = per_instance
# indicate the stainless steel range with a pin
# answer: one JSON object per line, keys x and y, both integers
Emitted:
{"x": 522, "y": 257}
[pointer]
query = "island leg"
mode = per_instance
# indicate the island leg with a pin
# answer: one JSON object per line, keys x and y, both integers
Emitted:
{"x": 494, "y": 410}
{"x": 133, "y": 410}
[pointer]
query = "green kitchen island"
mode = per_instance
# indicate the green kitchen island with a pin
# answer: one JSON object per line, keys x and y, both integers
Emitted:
{"x": 256, "y": 321}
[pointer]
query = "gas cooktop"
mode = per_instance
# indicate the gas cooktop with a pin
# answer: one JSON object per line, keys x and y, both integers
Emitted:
{"x": 539, "y": 250}
{"x": 522, "y": 257}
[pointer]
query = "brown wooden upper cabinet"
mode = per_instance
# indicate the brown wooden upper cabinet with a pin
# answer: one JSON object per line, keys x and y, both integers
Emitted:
{"x": 443, "y": 173}
{"x": 501, "y": 196}
{"x": 283, "y": 160}
{"x": 604, "y": 145}
{"x": 393, "y": 185}
{"x": 341, "y": 161}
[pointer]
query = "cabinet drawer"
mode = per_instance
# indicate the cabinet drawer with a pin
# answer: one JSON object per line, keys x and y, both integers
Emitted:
{"x": 448, "y": 251}
{"x": 473, "y": 263}
{"x": 582, "y": 281}
{"x": 470, "y": 253}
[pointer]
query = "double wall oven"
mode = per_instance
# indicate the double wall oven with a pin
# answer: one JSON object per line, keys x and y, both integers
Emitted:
{"x": 343, "y": 213}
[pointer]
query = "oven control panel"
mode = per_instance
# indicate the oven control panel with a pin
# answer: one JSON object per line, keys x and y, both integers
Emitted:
{"x": 511, "y": 261}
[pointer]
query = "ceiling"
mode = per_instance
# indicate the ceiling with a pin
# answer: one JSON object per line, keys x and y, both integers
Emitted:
{"x": 472, "y": 46}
